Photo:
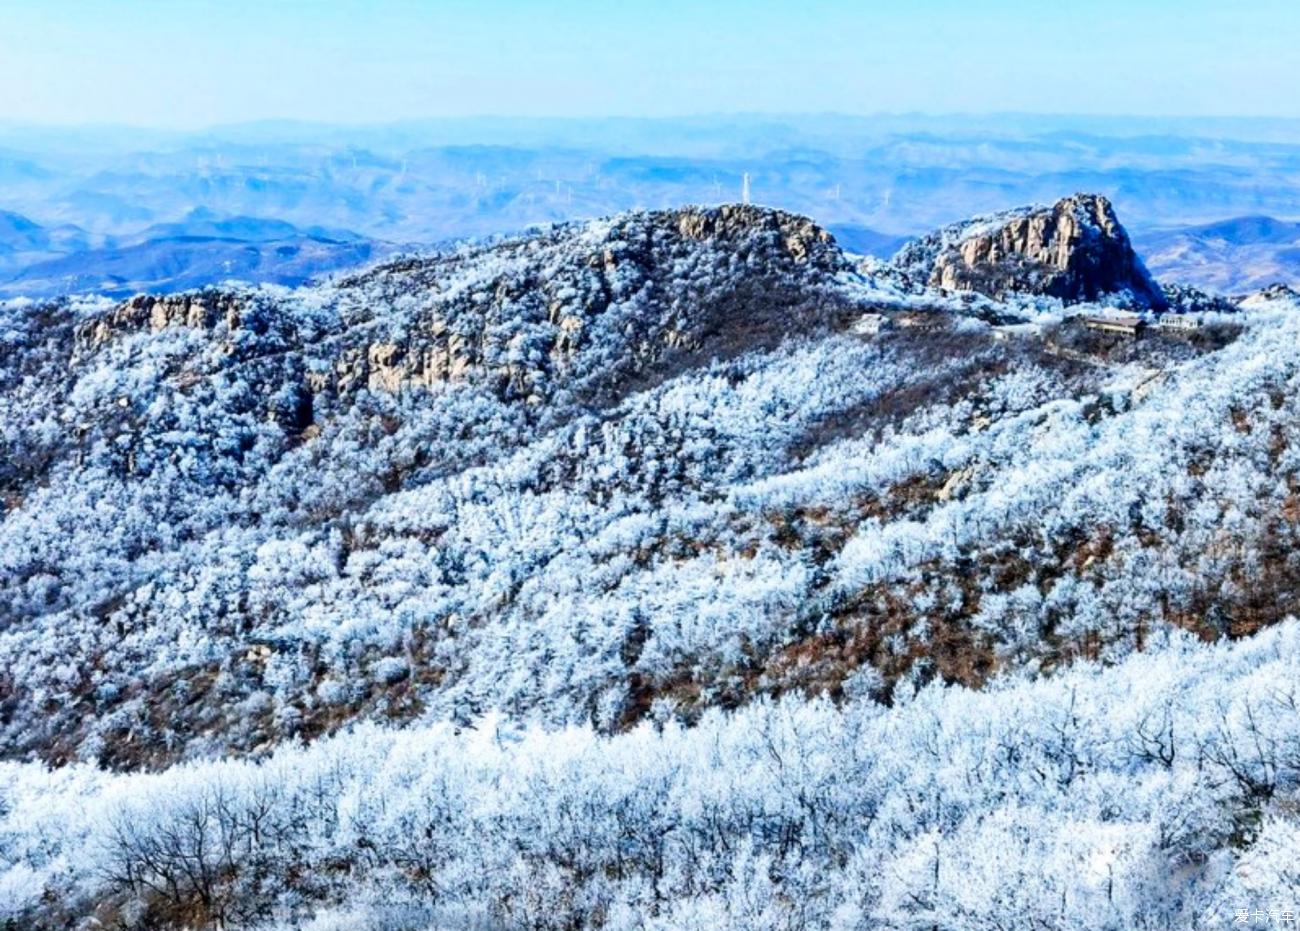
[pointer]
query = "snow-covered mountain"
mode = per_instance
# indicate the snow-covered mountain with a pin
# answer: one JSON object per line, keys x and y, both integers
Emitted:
{"x": 663, "y": 571}
{"x": 1075, "y": 250}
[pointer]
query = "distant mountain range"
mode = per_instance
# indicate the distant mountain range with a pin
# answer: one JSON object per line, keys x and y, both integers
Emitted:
{"x": 201, "y": 249}
{"x": 874, "y": 182}
{"x": 1231, "y": 256}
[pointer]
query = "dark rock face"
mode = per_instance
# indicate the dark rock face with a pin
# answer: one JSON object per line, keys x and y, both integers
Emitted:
{"x": 1075, "y": 250}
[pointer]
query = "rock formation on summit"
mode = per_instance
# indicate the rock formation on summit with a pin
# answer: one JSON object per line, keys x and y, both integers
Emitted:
{"x": 1075, "y": 250}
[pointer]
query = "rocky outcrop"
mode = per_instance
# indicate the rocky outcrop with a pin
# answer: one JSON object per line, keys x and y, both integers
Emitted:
{"x": 201, "y": 310}
{"x": 1075, "y": 250}
{"x": 798, "y": 237}
{"x": 1275, "y": 294}
{"x": 1186, "y": 299}
{"x": 1280, "y": 292}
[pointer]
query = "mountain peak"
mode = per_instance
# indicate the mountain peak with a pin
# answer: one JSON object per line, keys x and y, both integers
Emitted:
{"x": 800, "y": 236}
{"x": 1076, "y": 250}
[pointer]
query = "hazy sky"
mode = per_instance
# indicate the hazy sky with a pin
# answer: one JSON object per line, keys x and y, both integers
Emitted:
{"x": 192, "y": 63}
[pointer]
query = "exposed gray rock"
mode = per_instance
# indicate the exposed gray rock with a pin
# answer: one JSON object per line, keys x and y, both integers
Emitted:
{"x": 1075, "y": 250}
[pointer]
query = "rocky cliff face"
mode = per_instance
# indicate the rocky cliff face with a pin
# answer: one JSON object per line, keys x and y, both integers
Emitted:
{"x": 1075, "y": 250}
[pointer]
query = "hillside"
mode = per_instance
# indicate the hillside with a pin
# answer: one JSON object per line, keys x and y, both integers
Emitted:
{"x": 1231, "y": 256}
{"x": 660, "y": 571}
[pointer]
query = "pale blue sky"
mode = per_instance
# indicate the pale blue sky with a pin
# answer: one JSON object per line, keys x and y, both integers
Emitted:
{"x": 191, "y": 63}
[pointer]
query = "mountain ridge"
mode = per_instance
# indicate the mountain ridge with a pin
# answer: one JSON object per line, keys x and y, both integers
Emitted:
{"x": 542, "y": 332}
{"x": 1231, "y": 256}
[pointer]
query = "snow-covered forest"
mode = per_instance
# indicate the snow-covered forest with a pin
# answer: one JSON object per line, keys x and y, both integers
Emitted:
{"x": 1158, "y": 793}
{"x": 619, "y": 577}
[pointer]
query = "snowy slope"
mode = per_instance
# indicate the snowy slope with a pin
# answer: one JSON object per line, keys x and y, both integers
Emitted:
{"x": 596, "y": 512}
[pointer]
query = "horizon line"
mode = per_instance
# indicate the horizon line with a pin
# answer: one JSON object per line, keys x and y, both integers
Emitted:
{"x": 10, "y": 124}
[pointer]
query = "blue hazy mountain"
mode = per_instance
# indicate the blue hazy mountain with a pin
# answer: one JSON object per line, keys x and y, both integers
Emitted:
{"x": 200, "y": 249}
{"x": 864, "y": 241}
{"x": 874, "y": 181}
{"x": 187, "y": 262}
{"x": 19, "y": 234}
{"x": 1234, "y": 256}
{"x": 204, "y": 223}
{"x": 1249, "y": 231}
